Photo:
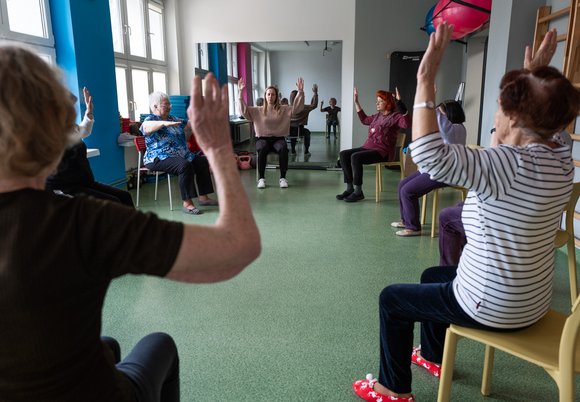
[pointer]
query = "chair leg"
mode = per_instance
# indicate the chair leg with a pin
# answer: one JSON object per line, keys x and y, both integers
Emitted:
{"x": 424, "y": 209}
{"x": 434, "y": 212}
{"x": 487, "y": 370}
{"x": 170, "y": 198}
{"x": 449, "y": 352}
{"x": 378, "y": 179}
{"x": 138, "y": 182}
{"x": 572, "y": 270}
{"x": 156, "y": 183}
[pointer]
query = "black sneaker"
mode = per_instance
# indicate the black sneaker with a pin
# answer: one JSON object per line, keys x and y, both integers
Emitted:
{"x": 354, "y": 197}
{"x": 345, "y": 194}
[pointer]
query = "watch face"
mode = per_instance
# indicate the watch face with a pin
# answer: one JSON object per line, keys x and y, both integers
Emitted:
{"x": 430, "y": 105}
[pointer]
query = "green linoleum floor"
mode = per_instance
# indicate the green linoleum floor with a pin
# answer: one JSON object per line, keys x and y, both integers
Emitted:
{"x": 301, "y": 323}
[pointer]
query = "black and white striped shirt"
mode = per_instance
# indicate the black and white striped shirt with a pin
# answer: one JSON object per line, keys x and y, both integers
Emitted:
{"x": 511, "y": 214}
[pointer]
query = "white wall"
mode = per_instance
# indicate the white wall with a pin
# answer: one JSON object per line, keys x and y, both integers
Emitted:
{"x": 386, "y": 26}
{"x": 315, "y": 69}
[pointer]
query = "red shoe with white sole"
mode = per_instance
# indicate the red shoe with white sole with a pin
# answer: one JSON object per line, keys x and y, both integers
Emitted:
{"x": 433, "y": 368}
{"x": 364, "y": 389}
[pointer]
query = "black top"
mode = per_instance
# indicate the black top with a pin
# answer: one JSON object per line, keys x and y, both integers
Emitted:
{"x": 73, "y": 170}
{"x": 56, "y": 263}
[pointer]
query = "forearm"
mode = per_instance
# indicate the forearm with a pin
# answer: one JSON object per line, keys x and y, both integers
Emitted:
{"x": 86, "y": 127}
{"x": 221, "y": 251}
{"x": 150, "y": 126}
{"x": 424, "y": 119}
{"x": 357, "y": 106}
{"x": 298, "y": 104}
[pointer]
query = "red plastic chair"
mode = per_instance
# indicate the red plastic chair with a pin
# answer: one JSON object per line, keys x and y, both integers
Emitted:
{"x": 141, "y": 147}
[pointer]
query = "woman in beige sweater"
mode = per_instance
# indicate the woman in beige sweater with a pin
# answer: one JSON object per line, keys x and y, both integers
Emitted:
{"x": 272, "y": 126}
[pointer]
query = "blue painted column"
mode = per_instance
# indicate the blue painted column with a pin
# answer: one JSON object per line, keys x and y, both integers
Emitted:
{"x": 84, "y": 51}
{"x": 218, "y": 61}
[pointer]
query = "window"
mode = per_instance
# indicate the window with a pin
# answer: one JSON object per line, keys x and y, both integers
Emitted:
{"x": 232, "y": 57}
{"x": 139, "y": 43}
{"x": 28, "y": 21}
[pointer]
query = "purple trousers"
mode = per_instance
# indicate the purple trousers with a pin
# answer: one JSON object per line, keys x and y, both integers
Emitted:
{"x": 451, "y": 235}
{"x": 411, "y": 188}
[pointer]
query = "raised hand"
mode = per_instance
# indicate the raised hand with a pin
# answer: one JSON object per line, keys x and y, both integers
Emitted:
{"x": 355, "y": 95}
{"x": 241, "y": 84}
{"x": 208, "y": 114}
{"x": 300, "y": 84}
{"x": 321, "y": 103}
{"x": 315, "y": 88}
{"x": 438, "y": 42}
{"x": 545, "y": 52}
{"x": 88, "y": 102}
{"x": 397, "y": 94}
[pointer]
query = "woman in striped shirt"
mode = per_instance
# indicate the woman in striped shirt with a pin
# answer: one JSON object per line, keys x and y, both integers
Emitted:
{"x": 517, "y": 192}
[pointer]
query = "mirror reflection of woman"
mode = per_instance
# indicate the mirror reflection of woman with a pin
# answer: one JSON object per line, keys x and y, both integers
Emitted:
{"x": 272, "y": 126}
{"x": 379, "y": 146}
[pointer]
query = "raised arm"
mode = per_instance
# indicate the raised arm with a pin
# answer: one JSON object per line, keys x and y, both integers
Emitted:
{"x": 86, "y": 127}
{"x": 424, "y": 119}
{"x": 298, "y": 104}
{"x": 321, "y": 103}
{"x": 356, "y": 104}
{"x": 220, "y": 251}
{"x": 545, "y": 52}
{"x": 241, "y": 102}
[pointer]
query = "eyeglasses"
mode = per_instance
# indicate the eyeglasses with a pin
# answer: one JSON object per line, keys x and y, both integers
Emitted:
{"x": 164, "y": 106}
{"x": 492, "y": 130}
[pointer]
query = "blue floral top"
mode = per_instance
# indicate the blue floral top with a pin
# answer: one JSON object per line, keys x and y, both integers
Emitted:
{"x": 166, "y": 142}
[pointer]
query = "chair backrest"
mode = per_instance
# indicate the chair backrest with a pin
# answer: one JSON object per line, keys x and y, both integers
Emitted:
{"x": 563, "y": 235}
{"x": 401, "y": 137}
{"x": 140, "y": 143}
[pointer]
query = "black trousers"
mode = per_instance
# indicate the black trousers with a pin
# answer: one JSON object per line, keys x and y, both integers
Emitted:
{"x": 304, "y": 132}
{"x": 188, "y": 174}
{"x": 101, "y": 191}
{"x": 265, "y": 145}
{"x": 352, "y": 161}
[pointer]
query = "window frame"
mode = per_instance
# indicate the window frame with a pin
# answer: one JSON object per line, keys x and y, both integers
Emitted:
{"x": 42, "y": 45}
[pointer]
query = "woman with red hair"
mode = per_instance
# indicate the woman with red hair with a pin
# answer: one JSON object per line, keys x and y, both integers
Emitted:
{"x": 380, "y": 144}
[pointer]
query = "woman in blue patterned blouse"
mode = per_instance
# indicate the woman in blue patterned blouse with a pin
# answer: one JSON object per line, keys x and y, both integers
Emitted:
{"x": 167, "y": 152}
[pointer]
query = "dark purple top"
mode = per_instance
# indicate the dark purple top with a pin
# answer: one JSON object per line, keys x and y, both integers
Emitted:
{"x": 383, "y": 130}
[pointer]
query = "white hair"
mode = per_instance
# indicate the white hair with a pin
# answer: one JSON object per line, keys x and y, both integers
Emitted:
{"x": 155, "y": 99}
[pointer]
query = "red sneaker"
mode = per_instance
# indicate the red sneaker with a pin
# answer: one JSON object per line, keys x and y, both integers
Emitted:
{"x": 364, "y": 389}
{"x": 433, "y": 368}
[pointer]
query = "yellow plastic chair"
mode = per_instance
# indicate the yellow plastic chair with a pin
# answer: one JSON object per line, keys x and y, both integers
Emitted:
{"x": 566, "y": 237}
{"x": 379, "y": 166}
{"x": 434, "y": 209}
{"x": 552, "y": 343}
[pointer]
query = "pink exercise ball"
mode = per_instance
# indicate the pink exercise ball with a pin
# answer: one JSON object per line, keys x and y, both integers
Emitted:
{"x": 463, "y": 18}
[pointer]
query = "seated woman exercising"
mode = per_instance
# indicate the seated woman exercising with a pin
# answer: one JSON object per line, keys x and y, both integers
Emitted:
{"x": 527, "y": 174}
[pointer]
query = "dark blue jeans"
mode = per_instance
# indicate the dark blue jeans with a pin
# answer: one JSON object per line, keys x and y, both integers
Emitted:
{"x": 188, "y": 174}
{"x": 433, "y": 304}
{"x": 152, "y": 366}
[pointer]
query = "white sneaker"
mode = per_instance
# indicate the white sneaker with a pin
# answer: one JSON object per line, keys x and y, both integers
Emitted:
{"x": 283, "y": 183}
{"x": 262, "y": 183}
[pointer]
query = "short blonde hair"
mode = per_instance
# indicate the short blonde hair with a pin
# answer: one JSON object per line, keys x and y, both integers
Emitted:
{"x": 37, "y": 113}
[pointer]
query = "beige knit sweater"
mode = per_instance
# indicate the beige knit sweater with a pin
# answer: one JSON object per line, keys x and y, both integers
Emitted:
{"x": 274, "y": 123}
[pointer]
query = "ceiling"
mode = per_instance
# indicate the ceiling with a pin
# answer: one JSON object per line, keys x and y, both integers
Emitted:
{"x": 302, "y": 46}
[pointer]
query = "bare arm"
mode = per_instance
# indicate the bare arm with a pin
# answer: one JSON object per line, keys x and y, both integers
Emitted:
{"x": 221, "y": 251}
{"x": 150, "y": 126}
{"x": 86, "y": 127}
{"x": 241, "y": 102}
{"x": 424, "y": 119}
{"x": 356, "y": 104}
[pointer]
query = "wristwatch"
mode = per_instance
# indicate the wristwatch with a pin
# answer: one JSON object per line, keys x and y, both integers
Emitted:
{"x": 424, "y": 105}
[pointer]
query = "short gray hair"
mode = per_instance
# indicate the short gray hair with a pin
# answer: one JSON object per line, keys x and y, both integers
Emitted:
{"x": 155, "y": 99}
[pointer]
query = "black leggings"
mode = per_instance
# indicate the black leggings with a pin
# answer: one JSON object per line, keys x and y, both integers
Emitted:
{"x": 101, "y": 191}
{"x": 352, "y": 161}
{"x": 295, "y": 132}
{"x": 265, "y": 145}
